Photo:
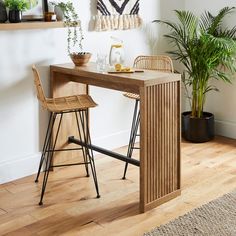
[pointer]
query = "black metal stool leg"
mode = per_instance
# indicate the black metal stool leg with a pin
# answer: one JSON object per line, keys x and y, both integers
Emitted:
{"x": 89, "y": 153}
{"x": 46, "y": 144}
{"x": 83, "y": 148}
{"x": 49, "y": 159}
{"x": 133, "y": 134}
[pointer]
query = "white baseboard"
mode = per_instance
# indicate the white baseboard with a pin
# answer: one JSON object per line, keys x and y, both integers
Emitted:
{"x": 25, "y": 166}
{"x": 225, "y": 128}
{"x": 15, "y": 169}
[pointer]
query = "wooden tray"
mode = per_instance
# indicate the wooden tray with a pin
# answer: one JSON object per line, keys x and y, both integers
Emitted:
{"x": 124, "y": 72}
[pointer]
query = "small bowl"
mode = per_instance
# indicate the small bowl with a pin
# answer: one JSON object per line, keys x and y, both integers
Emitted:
{"x": 81, "y": 58}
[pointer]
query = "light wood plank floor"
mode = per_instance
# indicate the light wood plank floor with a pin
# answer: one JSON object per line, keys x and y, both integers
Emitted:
{"x": 70, "y": 206}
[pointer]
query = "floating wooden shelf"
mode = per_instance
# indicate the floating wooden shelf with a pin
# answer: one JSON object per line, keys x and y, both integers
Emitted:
{"x": 31, "y": 25}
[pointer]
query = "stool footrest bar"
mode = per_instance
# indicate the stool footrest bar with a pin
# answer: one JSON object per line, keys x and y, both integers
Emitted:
{"x": 115, "y": 155}
{"x": 71, "y": 164}
{"x": 64, "y": 150}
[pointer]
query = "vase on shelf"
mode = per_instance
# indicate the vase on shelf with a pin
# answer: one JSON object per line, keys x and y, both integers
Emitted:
{"x": 3, "y": 12}
{"x": 59, "y": 13}
{"x": 15, "y": 16}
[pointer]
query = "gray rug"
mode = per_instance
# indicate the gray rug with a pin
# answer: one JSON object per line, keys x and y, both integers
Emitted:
{"x": 216, "y": 218}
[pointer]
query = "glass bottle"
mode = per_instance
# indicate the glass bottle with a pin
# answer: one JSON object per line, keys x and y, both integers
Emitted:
{"x": 117, "y": 54}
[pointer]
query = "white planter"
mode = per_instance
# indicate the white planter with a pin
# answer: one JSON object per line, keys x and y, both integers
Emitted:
{"x": 59, "y": 13}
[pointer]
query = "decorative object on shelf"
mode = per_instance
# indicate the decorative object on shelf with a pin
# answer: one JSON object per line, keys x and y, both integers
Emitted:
{"x": 59, "y": 13}
{"x": 62, "y": 8}
{"x": 207, "y": 49}
{"x": 117, "y": 53}
{"x": 3, "y": 12}
{"x": 117, "y": 15}
{"x": 49, "y": 14}
{"x": 15, "y": 9}
{"x": 34, "y": 11}
{"x": 65, "y": 11}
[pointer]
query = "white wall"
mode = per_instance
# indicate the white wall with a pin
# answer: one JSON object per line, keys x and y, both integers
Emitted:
{"x": 22, "y": 122}
{"x": 222, "y": 103}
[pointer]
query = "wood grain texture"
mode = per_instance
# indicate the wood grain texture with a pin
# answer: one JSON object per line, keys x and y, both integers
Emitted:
{"x": 70, "y": 207}
{"x": 160, "y": 137}
{"x": 32, "y": 25}
{"x": 160, "y": 100}
{"x": 88, "y": 74}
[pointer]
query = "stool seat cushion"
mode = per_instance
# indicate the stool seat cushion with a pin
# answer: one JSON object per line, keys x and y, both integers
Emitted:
{"x": 69, "y": 103}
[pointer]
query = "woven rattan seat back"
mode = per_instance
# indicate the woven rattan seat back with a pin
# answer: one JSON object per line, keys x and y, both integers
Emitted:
{"x": 61, "y": 104}
{"x": 157, "y": 62}
{"x": 40, "y": 93}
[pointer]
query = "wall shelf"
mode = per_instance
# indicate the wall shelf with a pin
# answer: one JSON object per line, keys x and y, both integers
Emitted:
{"x": 32, "y": 25}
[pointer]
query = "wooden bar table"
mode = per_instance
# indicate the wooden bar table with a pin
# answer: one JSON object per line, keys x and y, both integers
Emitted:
{"x": 160, "y": 160}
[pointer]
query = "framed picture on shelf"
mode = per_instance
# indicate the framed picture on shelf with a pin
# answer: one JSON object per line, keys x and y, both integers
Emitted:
{"x": 35, "y": 11}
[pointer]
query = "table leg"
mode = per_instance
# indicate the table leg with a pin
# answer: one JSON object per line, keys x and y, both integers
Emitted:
{"x": 160, "y": 178}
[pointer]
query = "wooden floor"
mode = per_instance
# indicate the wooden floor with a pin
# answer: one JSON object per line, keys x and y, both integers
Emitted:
{"x": 70, "y": 206}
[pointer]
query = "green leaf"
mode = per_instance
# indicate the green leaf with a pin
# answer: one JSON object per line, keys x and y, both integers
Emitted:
{"x": 207, "y": 50}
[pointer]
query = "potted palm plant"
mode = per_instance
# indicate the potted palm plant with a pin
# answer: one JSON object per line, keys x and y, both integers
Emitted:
{"x": 15, "y": 9}
{"x": 66, "y": 12}
{"x": 207, "y": 50}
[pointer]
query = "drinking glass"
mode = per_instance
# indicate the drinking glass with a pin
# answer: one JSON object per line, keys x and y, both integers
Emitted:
{"x": 101, "y": 62}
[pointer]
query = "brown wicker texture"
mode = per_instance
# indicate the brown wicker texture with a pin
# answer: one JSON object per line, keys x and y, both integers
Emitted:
{"x": 68, "y": 103}
{"x": 158, "y": 62}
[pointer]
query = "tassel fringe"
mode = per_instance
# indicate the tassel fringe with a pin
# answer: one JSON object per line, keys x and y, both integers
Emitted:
{"x": 117, "y": 22}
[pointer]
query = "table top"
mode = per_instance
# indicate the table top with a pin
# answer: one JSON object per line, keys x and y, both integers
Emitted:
{"x": 146, "y": 78}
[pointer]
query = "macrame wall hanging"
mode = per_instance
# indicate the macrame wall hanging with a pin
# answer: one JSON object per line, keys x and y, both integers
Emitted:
{"x": 117, "y": 15}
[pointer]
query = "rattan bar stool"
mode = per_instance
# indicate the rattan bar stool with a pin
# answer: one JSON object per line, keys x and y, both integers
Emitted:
{"x": 158, "y": 62}
{"x": 77, "y": 104}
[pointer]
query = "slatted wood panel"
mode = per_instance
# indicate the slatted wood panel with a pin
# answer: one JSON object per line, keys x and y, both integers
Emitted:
{"x": 160, "y": 137}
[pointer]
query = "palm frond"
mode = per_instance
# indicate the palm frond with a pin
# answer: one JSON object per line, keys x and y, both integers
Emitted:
{"x": 211, "y": 88}
{"x": 205, "y": 21}
{"x": 227, "y": 33}
{"x": 217, "y": 20}
{"x": 205, "y": 48}
{"x": 189, "y": 23}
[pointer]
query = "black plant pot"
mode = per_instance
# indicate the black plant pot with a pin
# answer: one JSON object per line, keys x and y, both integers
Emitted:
{"x": 3, "y": 12}
{"x": 15, "y": 16}
{"x": 198, "y": 130}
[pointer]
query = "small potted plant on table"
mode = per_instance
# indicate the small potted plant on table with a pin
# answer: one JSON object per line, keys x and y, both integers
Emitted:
{"x": 207, "y": 50}
{"x": 74, "y": 32}
{"x": 15, "y": 9}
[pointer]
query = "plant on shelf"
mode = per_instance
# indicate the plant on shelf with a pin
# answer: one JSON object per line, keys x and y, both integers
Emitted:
{"x": 207, "y": 49}
{"x": 74, "y": 32}
{"x": 15, "y": 9}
